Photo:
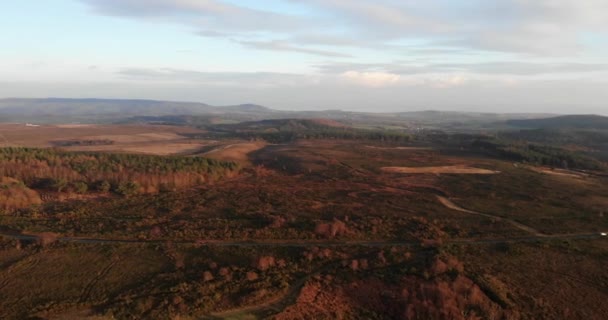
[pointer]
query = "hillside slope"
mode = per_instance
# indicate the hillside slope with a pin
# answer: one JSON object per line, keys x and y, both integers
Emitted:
{"x": 569, "y": 121}
{"x": 124, "y": 107}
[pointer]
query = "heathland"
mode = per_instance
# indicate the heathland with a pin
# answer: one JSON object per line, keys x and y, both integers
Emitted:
{"x": 220, "y": 215}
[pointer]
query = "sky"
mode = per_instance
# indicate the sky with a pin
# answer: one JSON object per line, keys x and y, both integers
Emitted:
{"x": 547, "y": 56}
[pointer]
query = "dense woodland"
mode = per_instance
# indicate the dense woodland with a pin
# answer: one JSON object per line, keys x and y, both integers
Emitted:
{"x": 289, "y": 130}
{"x": 122, "y": 173}
{"x": 327, "y": 133}
{"x": 509, "y": 147}
{"x": 569, "y": 121}
{"x": 538, "y": 154}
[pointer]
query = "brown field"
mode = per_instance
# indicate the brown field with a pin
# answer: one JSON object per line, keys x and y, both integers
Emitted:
{"x": 399, "y": 148}
{"x": 235, "y": 152}
{"x": 439, "y": 170}
{"x": 71, "y": 126}
{"x": 147, "y": 139}
{"x": 136, "y": 137}
{"x": 559, "y": 172}
{"x": 162, "y": 148}
{"x": 45, "y": 135}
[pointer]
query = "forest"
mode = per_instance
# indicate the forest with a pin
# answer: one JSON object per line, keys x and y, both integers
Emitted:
{"x": 538, "y": 154}
{"x": 289, "y": 130}
{"x": 79, "y": 172}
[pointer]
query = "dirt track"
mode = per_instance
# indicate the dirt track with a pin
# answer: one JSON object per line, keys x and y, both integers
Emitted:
{"x": 312, "y": 243}
{"x": 451, "y": 205}
{"x": 439, "y": 170}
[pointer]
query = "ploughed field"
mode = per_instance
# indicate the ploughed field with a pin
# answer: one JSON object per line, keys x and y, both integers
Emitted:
{"x": 316, "y": 229}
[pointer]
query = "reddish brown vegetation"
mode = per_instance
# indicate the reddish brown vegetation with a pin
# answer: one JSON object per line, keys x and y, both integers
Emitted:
{"x": 207, "y": 276}
{"x": 15, "y": 195}
{"x": 441, "y": 297}
{"x": 331, "y": 230}
{"x": 225, "y": 272}
{"x": 264, "y": 263}
{"x": 46, "y": 238}
{"x": 278, "y": 222}
{"x": 444, "y": 299}
{"x": 252, "y": 276}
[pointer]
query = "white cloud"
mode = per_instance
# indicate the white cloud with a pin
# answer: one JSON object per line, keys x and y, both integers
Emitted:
{"x": 371, "y": 79}
{"x": 499, "y": 68}
{"x": 227, "y": 79}
{"x": 545, "y": 27}
{"x": 449, "y": 81}
{"x": 285, "y": 46}
{"x": 538, "y": 51}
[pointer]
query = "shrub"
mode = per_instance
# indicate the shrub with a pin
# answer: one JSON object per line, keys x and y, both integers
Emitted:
{"x": 81, "y": 187}
{"x": 127, "y": 189}
{"x": 104, "y": 186}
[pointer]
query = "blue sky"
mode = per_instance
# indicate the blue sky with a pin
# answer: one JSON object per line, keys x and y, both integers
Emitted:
{"x": 383, "y": 55}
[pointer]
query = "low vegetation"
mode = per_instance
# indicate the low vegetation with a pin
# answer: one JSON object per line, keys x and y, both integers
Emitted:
{"x": 319, "y": 221}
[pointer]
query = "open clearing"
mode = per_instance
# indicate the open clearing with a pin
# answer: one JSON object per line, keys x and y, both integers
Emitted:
{"x": 146, "y": 139}
{"x": 234, "y": 152}
{"x": 399, "y": 148}
{"x": 162, "y": 148}
{"x": 137, "y": 137}
{"x": 165, "y": 149}
{"x": 20, "y": 135}
{"x": 559, "y": 172}
{"x": 439, "y": 170}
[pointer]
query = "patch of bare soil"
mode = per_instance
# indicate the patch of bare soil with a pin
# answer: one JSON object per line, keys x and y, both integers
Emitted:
{"x": 72, "y": 126}
{"x": 399, "y": 148}
{"x": 166, "y": 148}
{"x": 458, "y": 169}
{"x": 237, "y": 152}
{"x": 559, "y": 172}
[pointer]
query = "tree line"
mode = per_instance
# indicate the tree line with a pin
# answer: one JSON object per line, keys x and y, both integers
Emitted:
{"x": 122, "y": 173}
{"x": 326, "y": 133}
{"x": 539, "y": 154}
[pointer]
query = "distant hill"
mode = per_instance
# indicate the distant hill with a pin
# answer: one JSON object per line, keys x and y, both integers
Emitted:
{"x": 61, "y": 110}
{"x": 276, "y": 125}
{"x": 563, "y": 122}
{"x": 244, "y": 108}
{"x": 459, "y": 116}
{"x": 105, "y": 107}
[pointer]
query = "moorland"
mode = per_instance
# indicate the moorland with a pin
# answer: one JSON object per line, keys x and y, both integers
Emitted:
{"x": 188, "y": 211}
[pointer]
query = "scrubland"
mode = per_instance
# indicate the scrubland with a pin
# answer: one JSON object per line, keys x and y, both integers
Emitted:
{"x": 313, "y": 228}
